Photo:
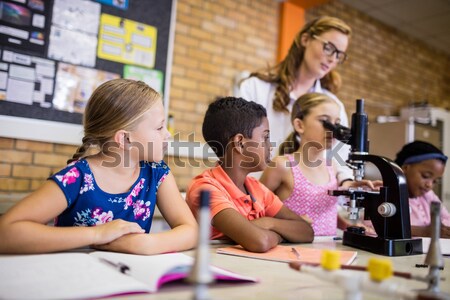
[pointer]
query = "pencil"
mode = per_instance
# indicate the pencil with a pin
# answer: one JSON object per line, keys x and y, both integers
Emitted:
{"x": 122, "y": 268}
{"x": 297, "y": 254}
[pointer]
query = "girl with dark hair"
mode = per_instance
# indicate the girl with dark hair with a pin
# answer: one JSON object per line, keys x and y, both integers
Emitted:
{"x": 423, "y": 164}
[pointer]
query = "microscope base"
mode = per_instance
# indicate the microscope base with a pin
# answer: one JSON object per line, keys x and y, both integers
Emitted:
{"x": 396, "y": 247}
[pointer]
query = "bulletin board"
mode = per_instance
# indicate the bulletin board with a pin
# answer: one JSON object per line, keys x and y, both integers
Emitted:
{"x": 54, "y": 53}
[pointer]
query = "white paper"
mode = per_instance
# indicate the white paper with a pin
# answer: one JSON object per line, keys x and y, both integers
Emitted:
{"x": 111, "y": 49}
{"x": 46, "y": 88}
{"x": 15, "y": 41}
{"x": 38, "y": 21}
{"x": 7, "y": 56}
{"x": 113, "y": 29}
{"x": 141, "y": 40}
{"x": 20, "y": 72}
{"x": 61, "y": 276}
{"x": 81, "y": 275}
{"x": 114, "y": 39}
{"x": 72, "y": 46}
{"x": 3, "y": 80}
{"x": 45, "y": 70}
{"x": 47, "y": 85}
{"x": 38, "y": 97}
{"x": 160, "y": 265}
{"x": 13, "y": 57}
{"x": 78, "y": 15}
{"x": 36, "y": 41}
{"x": 19, "y": 33}
{"x": 20, "y": 91}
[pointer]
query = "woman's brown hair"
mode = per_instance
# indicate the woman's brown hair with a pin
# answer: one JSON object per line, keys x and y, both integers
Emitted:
{"x": 284, "y": 73}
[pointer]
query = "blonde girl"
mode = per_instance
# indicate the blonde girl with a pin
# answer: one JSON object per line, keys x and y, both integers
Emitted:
{"x": 106, "y": 196}
{"x": 303, "y": 175}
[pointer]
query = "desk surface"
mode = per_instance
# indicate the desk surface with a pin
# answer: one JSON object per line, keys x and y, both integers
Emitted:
{"x": 278, "y": 281}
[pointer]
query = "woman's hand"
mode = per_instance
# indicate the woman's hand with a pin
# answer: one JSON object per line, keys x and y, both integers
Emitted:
{"x": 113, "y": 230}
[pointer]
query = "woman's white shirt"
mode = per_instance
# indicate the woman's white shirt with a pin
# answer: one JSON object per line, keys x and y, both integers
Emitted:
{"x": 262, "y": 92}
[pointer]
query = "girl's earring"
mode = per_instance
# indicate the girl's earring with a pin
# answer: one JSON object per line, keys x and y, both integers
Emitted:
{"x": 127, "y": 137}
{"x": 127, "y": 142}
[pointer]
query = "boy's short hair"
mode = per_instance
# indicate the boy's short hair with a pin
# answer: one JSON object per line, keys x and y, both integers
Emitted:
{"x": 227, "y": 117}
{"x": 418, "y": 151}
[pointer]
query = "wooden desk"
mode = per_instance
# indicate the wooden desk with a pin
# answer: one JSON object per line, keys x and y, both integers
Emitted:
{"x": 278, "y": 281}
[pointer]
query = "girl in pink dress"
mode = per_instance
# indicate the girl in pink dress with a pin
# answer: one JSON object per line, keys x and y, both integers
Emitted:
{"x": 423, "y": 164}
{"x": 302, "y": 176}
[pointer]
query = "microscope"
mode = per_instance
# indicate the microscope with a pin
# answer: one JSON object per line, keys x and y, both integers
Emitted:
{"x": 388, "y": 208}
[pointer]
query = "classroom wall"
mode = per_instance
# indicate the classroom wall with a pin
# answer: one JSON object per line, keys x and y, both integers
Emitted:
{"x": 215, "y": 40}
{"x": 386, "y": 67}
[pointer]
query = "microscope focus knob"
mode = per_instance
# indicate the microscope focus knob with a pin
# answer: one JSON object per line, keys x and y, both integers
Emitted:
{"x": 387, "y": 209}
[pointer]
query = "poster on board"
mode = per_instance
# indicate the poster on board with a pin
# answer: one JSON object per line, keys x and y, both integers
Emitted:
{"x": 73, "y": 35}
{"x": 122, "y": 4}
{"x": 154, "y": 78}
{"x": 40, "y": 120}
{"x": 126, "y": 41}
{"x": 24, "y": 24}
{"x": 75, "y": 84}
{"x": 26, "y": 79}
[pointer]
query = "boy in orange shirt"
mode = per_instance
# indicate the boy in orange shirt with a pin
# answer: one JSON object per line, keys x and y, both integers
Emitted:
{"x": 243, "y": 209}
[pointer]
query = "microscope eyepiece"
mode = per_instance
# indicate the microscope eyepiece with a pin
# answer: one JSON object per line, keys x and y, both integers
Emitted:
{"x": 339, "y": 132}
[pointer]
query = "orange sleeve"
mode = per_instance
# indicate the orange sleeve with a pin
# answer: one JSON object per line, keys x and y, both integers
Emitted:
{"x": 219, "y": 200}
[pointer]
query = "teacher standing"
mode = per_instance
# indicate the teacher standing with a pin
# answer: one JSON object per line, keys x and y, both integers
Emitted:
{"x": 308, "y": 67}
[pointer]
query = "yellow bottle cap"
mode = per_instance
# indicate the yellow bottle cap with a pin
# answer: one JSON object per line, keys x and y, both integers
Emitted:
{"x": 379, "y": 268}
{"x": 330, "y": 260}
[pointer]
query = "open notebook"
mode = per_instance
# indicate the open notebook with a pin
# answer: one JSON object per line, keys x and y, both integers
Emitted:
{"x": 82, "y": 275}
{"x": 286, "y": 254}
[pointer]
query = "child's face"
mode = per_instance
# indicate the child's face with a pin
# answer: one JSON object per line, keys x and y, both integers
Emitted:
{"x": 256, "y": 151}
{"x": 150, "y": 136}
{"x": 421, "y": 176}
{"x": 311, "y": 128}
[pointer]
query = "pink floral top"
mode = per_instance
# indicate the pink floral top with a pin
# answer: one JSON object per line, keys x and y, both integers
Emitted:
{"x": 88, "y": 205}
{"x": 419, "y": 210}
{"x": 312, "y": 200}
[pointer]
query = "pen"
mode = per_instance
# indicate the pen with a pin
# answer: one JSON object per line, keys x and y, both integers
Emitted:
{"x": 123, "y": 268}
{"x": 297, "y": 254}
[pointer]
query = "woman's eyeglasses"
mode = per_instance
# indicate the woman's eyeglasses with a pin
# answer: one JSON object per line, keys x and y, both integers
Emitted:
{"x": 329, "y": 49}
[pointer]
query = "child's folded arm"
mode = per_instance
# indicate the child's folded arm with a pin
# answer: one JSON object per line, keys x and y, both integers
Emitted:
{"x": 291, "y": 227}
{"x": 244, "y": 232}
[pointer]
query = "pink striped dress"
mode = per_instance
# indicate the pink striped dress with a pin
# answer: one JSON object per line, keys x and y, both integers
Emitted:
{"x": 313, "y": 200}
